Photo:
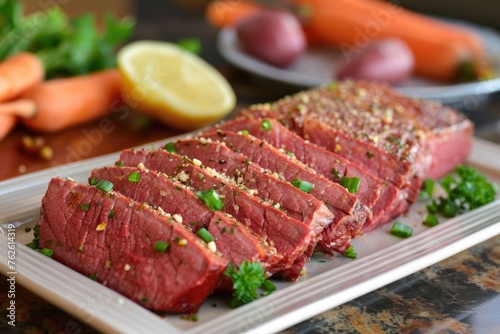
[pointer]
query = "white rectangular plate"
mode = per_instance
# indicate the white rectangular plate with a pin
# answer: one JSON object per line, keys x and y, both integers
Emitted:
{"x": 329, "y": 282}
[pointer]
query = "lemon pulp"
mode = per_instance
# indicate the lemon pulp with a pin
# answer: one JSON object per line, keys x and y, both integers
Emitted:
{"x": 168, "y": 83}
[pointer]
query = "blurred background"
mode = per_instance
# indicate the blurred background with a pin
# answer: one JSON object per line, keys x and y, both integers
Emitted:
{"x": 483, "y": 12}
{"x": 171, "y": 20}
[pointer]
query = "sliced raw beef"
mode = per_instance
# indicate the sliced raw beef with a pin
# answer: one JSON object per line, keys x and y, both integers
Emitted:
{"x": 128, "y": 247}
{"x": 342, "y": 203}
{"x": 328, "y": 164}
{"x": 289, "y": 236}
{"x": 232, "y": 239}
{"x": 295, "y": 202}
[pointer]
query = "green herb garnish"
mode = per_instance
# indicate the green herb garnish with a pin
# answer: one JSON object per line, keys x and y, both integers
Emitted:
{"x": 85, "y": 206}
{"x": 34, "y": 243}
{"x": 430, "y": 220}
{"x": 466, "y": 190}
{"x": 350, "y": 252}
{"x": 428, "y": 189}
{"x": 93, "y": 181}
{"x": 65, "y": 47}
{"x": 47, "y": 252}
{"x": 205, "y": 235}
{"x": 350, "y": 183}
{"x": 105, "y": 186}
{"x": 268, "y": 287}
{"x": 266, "y": 125}
{"x": 161, "y": 246}
{"x": 134, "y": 177}
{"x": 247, "y": 278}
{"x": 211, "y": 198}
{"x": 192, "y": 45}
{"x": 401, "y": 230}
{"x": 302, "y": 185}
{"x": 336, "y": 173}
{"x": 170, "y": 147}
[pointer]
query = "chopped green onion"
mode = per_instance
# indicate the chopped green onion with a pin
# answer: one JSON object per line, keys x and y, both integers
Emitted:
{"x": 431, "y": 220}
{"x": 432, "y": 208}
{"x": 450, "y": 209}
{"x": 245, "y": 132}
{"x": 105, "y": 186}
{"x": 170, "y": 147}
{"x": 428, "y": 189}
{"x": 119, "y": 163}
{"x": 466, "y": 189}
{"x": 205, "y": 235}
{"x": 47, "y": 252}
{"x": 401, "y": 230}
{"x": 85, "y": 206}
{"x": 350, "y": 252}
{"x": 111, "y": 214}
{"x": 302, "y": 185}
{"x": 134, "y": 177}
{"x": 211, "y": 199}
{"x": 350, "y": 183}
{"x": 266, "y": 125}
{"x": 336, "y": 173}
{"x": 93, "y": 181}
{"x": 161, "y": 246}
{"x": 32, "y": 245}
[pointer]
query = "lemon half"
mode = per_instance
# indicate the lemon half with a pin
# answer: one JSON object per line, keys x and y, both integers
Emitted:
{"x": 173, "y": 85}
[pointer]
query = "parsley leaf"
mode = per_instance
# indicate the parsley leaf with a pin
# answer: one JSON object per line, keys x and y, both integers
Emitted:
{"x": 65, "y": 47}
{"x": 466, "y": 190}
{"x": 247, "y": 279}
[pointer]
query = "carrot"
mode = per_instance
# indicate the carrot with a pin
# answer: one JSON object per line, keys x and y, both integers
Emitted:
{"x": 351, "y": 24}
{"x": 7, "y": 123}
{"x": 224, "y": 13}
{"x": 19, "y": 73}
{"x": 61, "y": 103}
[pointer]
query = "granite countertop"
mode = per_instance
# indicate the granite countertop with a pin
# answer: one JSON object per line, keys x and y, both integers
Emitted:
{"x": 458, "y": 295}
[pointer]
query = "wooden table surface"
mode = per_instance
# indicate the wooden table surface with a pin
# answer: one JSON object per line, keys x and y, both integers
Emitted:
{"x": 458, "y": 295}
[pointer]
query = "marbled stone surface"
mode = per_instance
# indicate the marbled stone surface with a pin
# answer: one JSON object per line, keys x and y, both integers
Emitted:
{"x": 458, "y": 295}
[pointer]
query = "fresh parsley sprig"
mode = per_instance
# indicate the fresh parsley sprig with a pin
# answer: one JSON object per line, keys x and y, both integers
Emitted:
{"x": 466, "y": 189}
{"x": 247, "y": 278}
{"x": 65, "y": 47}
